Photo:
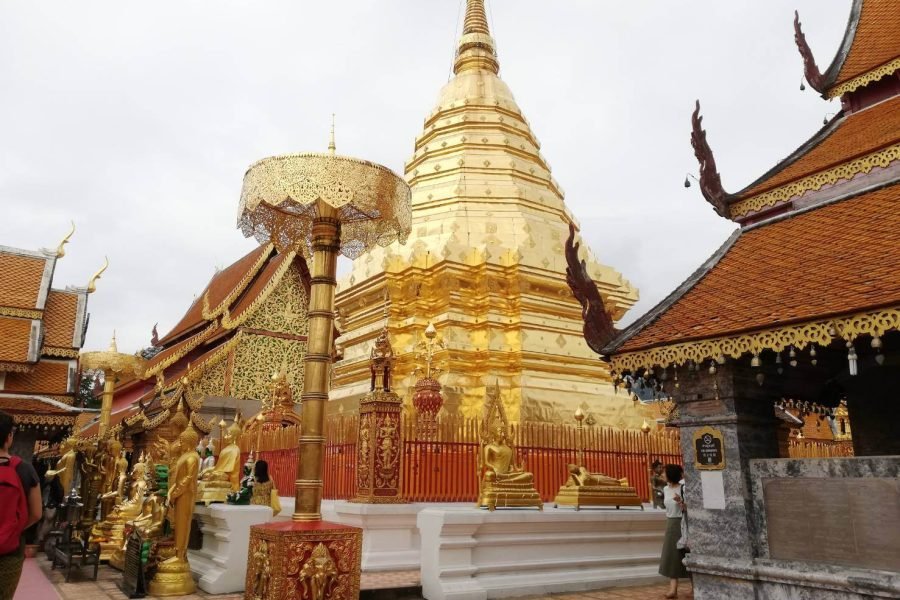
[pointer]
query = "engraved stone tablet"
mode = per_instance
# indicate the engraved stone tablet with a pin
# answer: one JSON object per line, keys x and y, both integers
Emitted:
{"x": 133, "y": 584}
{"x": 850, "y": 521}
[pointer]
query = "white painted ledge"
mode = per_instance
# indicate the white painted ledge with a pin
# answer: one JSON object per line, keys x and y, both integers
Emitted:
{"x": 472, "y": 554}
{"x": 220, "y": 567}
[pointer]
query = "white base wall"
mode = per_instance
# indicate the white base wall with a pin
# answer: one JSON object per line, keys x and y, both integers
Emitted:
{"x": 472, "y": 554}
{"x": 391, "y": 540}
{"x": 220, "y": 567}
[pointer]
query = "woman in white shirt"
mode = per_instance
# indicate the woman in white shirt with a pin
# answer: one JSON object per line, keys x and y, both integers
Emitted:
{"x": 670, "y": 564}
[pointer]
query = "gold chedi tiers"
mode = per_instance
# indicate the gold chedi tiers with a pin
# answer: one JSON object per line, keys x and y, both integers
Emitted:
{"x": 483, "y": 264}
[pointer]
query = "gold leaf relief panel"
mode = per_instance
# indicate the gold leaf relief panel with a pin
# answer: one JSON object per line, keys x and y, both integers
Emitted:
{"x": 212, "y": 382}
{"x": 285, "y": 310}
{"x": 259, "y": 356}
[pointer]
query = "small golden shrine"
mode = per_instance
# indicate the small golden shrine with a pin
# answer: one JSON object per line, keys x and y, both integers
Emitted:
{"x": 278, "y": 409}
{"x": 583, "y": 488}
{"x": 378, "y": 439}
{"x": 427, "y": 399}
{"x": 502, "y": 483}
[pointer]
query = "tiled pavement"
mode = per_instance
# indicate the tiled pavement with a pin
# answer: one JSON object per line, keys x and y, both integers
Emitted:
{"x": 81, "y": 587}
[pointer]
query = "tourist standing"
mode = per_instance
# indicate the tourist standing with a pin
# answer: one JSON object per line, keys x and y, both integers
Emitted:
{"x": 670, "y": 563}
{"x": 657, "y": 483}
{"x": 20, "y": 505}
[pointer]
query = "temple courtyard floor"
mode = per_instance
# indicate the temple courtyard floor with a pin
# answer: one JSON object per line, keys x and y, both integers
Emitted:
{"x": 39, "y": 582}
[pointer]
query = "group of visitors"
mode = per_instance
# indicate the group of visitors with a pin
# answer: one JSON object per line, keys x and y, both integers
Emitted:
{"x": 667, "y": 492}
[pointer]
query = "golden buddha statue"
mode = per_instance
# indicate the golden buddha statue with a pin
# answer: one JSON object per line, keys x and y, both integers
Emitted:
{"x": 225, "y": 477}
{"x": 503, "y": 483}
{"x": 173, "y": 575}
{"x": 583, "y": 488}
{"x": 66, "y": 465}
{"x": 110, "y": 533}
{"x": 114, "y": 466}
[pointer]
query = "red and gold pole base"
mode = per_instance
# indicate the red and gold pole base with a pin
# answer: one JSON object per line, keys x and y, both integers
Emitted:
{"x": 295, "y": 560}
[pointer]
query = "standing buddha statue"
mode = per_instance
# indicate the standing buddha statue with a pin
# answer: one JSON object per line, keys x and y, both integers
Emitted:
{"x": 66, "y": 466}
{"x": 173, "y": 575}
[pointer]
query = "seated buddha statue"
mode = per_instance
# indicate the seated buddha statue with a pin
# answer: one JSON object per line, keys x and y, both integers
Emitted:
{"x": 110, "y": 532}
{"x": 215, "y": 483}
{"x": 499, "y": 462}
{"x": 503, "y": 483}
{"x": 242, "y": 496}
{"x": 152, "y": 519}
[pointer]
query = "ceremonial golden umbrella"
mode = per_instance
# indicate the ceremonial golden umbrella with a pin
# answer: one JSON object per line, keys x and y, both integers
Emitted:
{"x": 321, "y": 205}
{"x": 112, "y": 363}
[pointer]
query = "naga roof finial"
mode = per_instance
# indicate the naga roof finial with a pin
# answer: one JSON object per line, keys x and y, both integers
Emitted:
{"x": 810, "y": 71}
{"x": 61, "y": 250}
{"x": 92, "y": 284}
{"x": 710, "y": 182}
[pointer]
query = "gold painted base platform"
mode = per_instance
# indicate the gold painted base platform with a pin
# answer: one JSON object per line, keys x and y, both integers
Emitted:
{"x": 110, "y": 537}
{"x": 173, "y": 578}
{"x": 510, "y": 496}
{"x": 314, "y": 560}
{"x": 597, "y": 496}
{"x": 213, "y": 492}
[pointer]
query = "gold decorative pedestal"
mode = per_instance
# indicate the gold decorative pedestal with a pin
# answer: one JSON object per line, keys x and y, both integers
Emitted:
{"x": 110, "y": 537}
{"x": 597, "y": 496}
{"x": 511, "y": 495}
{"x": 314, "y": 560}
{"x": 378, "y": 437}
{"x": 173, "y": 578}
{"x": 213, "y": 492}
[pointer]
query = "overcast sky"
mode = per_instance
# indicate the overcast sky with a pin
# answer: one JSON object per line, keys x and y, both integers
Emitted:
{"x": 137, "y": 120}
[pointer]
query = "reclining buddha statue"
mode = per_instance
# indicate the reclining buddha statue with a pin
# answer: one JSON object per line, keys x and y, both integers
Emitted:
{"x": 583, "y": 488}
{"x": 215, "y": 483}
{"x": 503, "y": 484}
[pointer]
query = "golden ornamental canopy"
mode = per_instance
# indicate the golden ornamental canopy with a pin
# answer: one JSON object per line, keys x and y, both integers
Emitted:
{"x": 112, "y": 360}
{"x": 282, "y": 195}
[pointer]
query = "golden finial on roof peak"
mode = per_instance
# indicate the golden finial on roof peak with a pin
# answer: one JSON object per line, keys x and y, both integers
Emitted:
{"x": 61, "y": 250}
{"x": 92, "y": 284}
{"x": 476, "y": 49}
{"x": 332, "y": 147}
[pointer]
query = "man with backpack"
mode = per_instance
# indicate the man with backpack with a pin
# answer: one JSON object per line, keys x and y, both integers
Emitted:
{"x": 20, "y": 507}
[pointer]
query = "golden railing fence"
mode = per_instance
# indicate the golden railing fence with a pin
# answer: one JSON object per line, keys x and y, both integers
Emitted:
{"x": 444, "y": 468}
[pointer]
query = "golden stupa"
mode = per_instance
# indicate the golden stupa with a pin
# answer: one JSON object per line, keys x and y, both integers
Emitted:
{"x": 484, "y": 263}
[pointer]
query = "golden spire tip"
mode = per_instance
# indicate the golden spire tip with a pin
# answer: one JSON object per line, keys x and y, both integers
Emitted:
{"x": 332, "y": 148}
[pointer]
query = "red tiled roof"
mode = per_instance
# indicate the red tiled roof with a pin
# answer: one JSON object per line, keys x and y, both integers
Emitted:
{"x": 47, "y": 377}
{"x": 258, "y": 285}
{"x": 858, "y": 134}
{"x": 20, "y": 280}
{"x": 15, "y": 337}
{"x": 22, "y": 404}
{"x": 218, "y": 288}
{"x": 876, "y": 42}
{"x": 60, "y": 314}
{"x": 837, "y": 259}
